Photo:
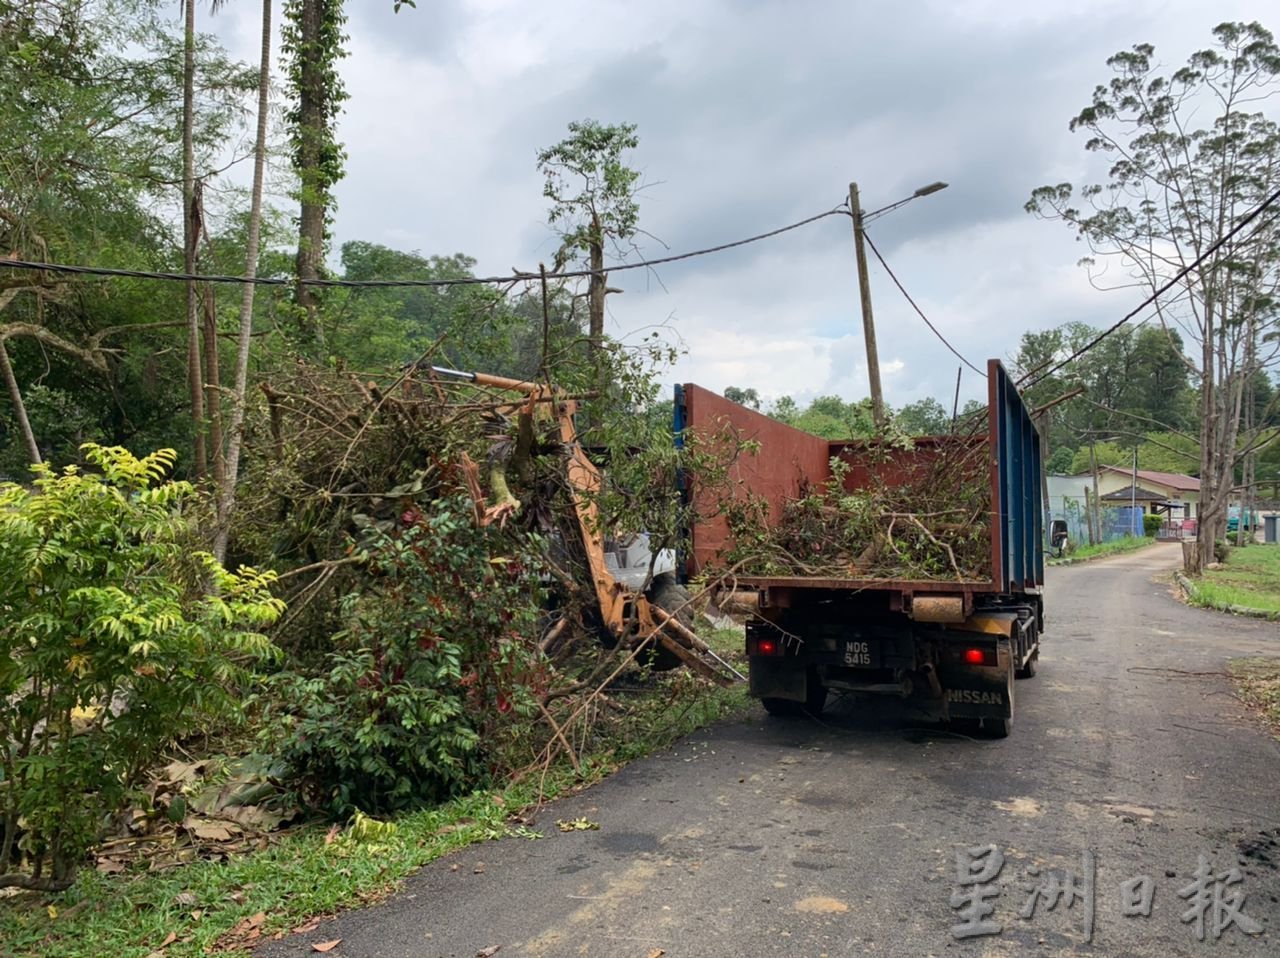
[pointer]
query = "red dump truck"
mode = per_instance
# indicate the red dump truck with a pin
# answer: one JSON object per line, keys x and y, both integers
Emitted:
{"x": 954, "y": 647}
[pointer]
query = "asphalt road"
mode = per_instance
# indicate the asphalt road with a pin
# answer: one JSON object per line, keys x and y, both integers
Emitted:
{"x": 840, "y": 837}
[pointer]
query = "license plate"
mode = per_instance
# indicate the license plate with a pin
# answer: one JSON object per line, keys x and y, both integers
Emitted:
{"x": 859, "y": 654}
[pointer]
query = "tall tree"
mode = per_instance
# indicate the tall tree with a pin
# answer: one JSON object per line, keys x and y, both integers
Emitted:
{"x": 191, "y": 236}
{"x": 313, "y": 43}
{"x": 1190, "y": 155}
{"x": 90, "y": 172}
{"x": 593, "y": 204}
{"x": 244, "y": 336}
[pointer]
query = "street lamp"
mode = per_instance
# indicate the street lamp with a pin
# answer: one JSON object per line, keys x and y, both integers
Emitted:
{"x": 860, "y": 219}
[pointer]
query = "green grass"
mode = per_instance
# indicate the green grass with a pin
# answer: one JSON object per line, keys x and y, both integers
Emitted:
{"x": 1104, "y": 549}
{"x": 1258, "y": 682}
{"x": 1250, "y": 578}
{"x": 301, "y": 875}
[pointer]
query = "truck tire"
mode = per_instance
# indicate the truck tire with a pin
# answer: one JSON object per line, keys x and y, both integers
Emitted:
{"x": 1028, "y": 671}
{"x": 671, "y": 597}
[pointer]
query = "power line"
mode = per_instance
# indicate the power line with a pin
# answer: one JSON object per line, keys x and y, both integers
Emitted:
{"x": 1177, "y": 278}
{"x": 918, "y": 310}
{"x": 400, "y": 283}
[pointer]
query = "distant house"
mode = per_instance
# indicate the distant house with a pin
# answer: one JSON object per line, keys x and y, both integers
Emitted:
{"x": 1181, "y": 492}
{"x": 1171, "y": 494}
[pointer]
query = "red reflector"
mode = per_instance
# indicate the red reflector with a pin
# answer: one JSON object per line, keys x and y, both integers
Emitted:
{"x": 974, "y": 656}
{"x": 766, "y": 647}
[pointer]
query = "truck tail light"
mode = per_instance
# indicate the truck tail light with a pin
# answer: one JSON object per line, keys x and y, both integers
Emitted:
{"x": 759, "y": 645}
{"x": 978, "y": 655}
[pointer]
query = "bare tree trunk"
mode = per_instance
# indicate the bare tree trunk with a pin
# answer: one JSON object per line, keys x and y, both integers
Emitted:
{"x": 235, "y": 431}
{"x": 213, "y": 385}
{"x": 190, "y": 228}
{"x": 1244, "y": 529}
{"x": 19, "y": 407}
{"x": 596, "y": 291}
{"x": 1208, "y": 435}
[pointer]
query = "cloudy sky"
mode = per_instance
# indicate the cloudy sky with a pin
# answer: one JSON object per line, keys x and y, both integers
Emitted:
{"x": 752, "y": 115}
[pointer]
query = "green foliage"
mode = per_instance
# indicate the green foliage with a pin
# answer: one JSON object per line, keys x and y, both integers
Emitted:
{"x": 93, "y": 127}
{"x": 1151, "y": 525}
{"x": 436, "y": 661}
{"x": 1250, "y": 578}
{"x": 833, "y": 418}
{"x": 1190, "y": 155}
{"x": 827, "y": 416}
{"x": 592, "y": 191}
{"x": 312, "y": 66}
{"x": 1082, "y": 552}
{"x": 1161, "y": 452}
{"x": 305, "y": 873}
{"x": 1060, "y": 462}
{"x": 1135, "y": 382}
{"x": 743, "y": 397}
{"x": 466, "y": 327}
{"x": 109, "y": 642}
{"x": 924, "y": 417}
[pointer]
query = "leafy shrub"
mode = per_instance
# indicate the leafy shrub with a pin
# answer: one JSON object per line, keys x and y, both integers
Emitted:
{"x": 1151, "y": 525}
{"x": 436, "y": 657}
{"x": 108, "y": 641}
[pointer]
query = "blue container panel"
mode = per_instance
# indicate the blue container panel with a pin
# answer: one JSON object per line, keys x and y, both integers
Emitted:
{"x": 1019, "y": 522}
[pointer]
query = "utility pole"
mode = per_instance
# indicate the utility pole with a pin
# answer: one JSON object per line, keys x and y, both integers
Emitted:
{"x": 868, "y": 322}
{"x": 1133, "y": 497}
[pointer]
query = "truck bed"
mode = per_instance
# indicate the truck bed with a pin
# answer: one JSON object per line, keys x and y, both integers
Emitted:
{"x": 790, "y": 461}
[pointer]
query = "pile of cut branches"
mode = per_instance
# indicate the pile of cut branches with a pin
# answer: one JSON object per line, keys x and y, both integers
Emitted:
{"x": 422, "y": 528}
{"x": 909, "y": 515}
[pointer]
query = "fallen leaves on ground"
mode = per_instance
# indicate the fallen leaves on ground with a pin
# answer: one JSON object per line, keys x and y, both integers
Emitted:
{"x": 488, "y": 952}
{"x": 244, "y": 935}
{"x": 323, "y": 946}
{"x": 577, "y": 825}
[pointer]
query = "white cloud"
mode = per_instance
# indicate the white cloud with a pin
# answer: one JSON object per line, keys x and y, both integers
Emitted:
{"x": 751, "y": 115}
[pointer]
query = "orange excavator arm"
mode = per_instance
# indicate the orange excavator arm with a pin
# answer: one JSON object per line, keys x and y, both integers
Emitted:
{"x": 628, "y": 615}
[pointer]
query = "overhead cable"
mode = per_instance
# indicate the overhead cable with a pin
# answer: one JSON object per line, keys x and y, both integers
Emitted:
{"x": 399, "y": 283}
{"x": 1164, "y": 288}
{"x": 918, "y": 310}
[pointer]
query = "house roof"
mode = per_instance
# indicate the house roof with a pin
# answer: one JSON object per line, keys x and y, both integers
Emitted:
{"x": 1174, "y": 480}
{"x": 1128, "y": 494}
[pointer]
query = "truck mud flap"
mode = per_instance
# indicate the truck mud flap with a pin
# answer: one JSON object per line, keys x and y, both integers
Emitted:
{"x": 979, "y": 691}
{"x": 780, "y": 678}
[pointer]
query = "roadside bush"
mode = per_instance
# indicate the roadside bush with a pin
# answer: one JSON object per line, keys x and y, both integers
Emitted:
{"x": 437, "y": 660}
{"x": 1151, "y": 526}
{"x": 109, "y": 641}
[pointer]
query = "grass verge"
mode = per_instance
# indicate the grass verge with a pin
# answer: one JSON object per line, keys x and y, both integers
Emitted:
{"x": 1250, "y": 578}
{"x": 1258, "y": 682}
{"x": 1104, "y": 549}
{"x": 308, "y": 872}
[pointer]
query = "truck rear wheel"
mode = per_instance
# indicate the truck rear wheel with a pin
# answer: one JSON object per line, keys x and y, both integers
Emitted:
{"x": 1028, "y": 669}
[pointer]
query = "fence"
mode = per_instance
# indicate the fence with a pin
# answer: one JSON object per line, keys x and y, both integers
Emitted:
{"x": 1116, "y": 521}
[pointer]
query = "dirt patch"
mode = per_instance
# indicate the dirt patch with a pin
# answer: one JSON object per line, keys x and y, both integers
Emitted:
{"x": 821, "y": 906}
